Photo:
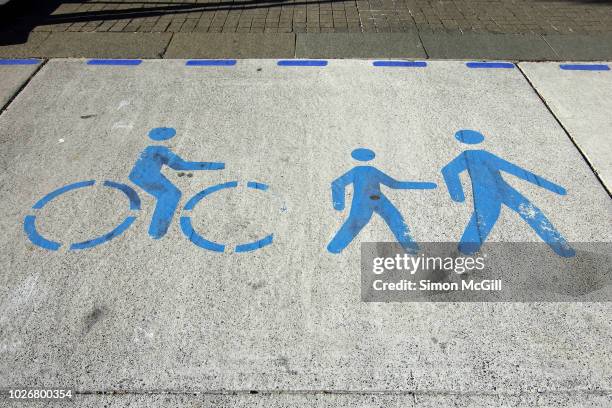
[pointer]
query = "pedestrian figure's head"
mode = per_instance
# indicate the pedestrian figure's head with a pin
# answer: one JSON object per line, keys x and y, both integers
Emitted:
{"x": 363, "y": 154}
{"x": 162, "y": 133}
{"x": 469, "y": 136}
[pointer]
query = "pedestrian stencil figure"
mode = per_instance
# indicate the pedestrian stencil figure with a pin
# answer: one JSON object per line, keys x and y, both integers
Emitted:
{"x": 147, "y": 175}
{"x": 490, "y": 191}
{"x": 367, "y": 200}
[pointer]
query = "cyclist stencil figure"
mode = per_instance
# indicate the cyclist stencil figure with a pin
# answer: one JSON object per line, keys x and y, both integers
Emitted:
{"x": 147, "y": 175}
{"x": 367, "y": 200}
{"x": 490, "y": 191}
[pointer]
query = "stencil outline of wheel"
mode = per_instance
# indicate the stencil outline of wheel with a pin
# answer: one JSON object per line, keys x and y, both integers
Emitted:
{"x": 29, "y": 222}
{"x": 199, "y": 240}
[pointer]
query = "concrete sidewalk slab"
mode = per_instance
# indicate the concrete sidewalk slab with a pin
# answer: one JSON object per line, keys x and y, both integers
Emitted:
{"x": 580, "y": 99}
{"x": 104, "y": 45}
{"x": 581, "y": 47}
{"x": 359, "y": 45}
{"x": 230, "y": 45}
{"x": 443, "y": 45}
{"x": 138, "y": 314}
{"x": 275, "y": 399}
{"x": 12, "y": 77}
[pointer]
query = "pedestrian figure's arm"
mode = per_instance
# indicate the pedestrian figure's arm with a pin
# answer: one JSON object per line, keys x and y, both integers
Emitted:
{"x": 403, "y": 185}
{"x": 527, "y": 175}
{"x": 338, "y": 187}
{"x": 451, "y": 172}
{"x": 176, "y": 163}
{"x": 415, "y": 185}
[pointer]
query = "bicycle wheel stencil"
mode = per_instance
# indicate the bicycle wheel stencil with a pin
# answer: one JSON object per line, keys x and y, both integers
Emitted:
{"x": 32, "y": 231}
{"x": 200, "y": 238}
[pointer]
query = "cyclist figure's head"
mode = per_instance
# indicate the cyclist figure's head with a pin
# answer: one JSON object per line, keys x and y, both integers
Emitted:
{"x": 469, "y": 136}
{"x": 362, "y": 154}
{"x": 162, "y": 133}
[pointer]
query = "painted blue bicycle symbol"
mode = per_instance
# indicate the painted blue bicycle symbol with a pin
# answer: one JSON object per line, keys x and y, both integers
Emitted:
{"x": 147, "y": 175}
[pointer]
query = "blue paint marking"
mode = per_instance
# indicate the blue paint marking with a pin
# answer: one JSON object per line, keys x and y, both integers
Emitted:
{"x": 29, "y": 226}
{"x": 162, "y": 133}
{"x": 36, "y": 238}
{"x": 506, "y": 65}
{"x": 302, "y": 63}
{"x": 369, "y": 199}
{"x": 41, "y": 203}
{"x": 197, "y": 239}
{"x": 254, "y": 245}
{"x": 124, "y": 62}
{"x": 106, "y": 237}
{"x": 408, "y": 64}
{"x": 585, "y": 67}
{"x": 128, "y": 191}
{"x": 257, "y": 186}
{"x": 469, "y": 136}
{"x": 211, "y": 63}
{"x": 198, "y": 197}
{"x": 363, "y": 154}
{"x": 147, "y": 174}
{"x": 28, "y": 61}
{"x": 202, "y": 242}
{"x": 490, "y": 191}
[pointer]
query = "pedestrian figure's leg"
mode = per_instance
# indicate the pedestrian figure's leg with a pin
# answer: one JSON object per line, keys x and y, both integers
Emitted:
{"x": 357, "y": 219}
{"x": 539, "y": 223}
{"x": 168, "y": 197}
{"x": 397, "y": 224}
{"x": 486, "y": 212}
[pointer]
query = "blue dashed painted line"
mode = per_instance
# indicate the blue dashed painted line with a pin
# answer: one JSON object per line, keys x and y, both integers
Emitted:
{"x": 252, "y": 246}
{"x": 28, "y": 61}
{"x": 211, "y": 63}
{"x": 494, "y": 65}
{"x": 257, "y": 186}
{"x": 302, "y": 63}
{"x": 585, "y": 67}
{"x": 407, "y": 64}
{"x": 124, "y": 62}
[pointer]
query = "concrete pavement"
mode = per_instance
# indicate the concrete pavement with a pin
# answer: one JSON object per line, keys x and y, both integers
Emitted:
{"x": 14, "y": 75}
{"x": 140, "y": 315}
{"x": 411, "y": 44}
{"x": 578, "y": 94}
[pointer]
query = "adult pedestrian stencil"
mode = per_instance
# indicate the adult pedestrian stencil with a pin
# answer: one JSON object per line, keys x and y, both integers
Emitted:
{"x": 147, "y": 175}
{"x": 369, "y": 199}
{"x": 491, "y": 191}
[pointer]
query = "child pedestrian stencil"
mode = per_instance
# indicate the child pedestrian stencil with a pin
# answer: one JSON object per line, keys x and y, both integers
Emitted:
{"x": 369, "y": 199}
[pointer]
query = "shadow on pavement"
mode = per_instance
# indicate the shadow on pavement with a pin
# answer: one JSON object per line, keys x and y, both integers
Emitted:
{"x": 19, "y": 17}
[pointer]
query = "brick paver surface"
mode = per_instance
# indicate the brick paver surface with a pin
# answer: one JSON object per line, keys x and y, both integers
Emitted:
{"x": 253, "y": 16}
